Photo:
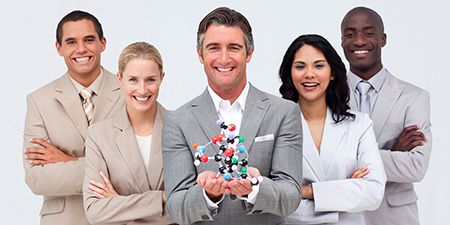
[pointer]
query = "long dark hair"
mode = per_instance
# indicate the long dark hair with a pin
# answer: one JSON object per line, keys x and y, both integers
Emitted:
{"x": 337, "y": 93}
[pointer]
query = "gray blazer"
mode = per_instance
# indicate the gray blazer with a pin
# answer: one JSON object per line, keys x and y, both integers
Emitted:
{"x": 278, "y": 156}
{"x": 111, "y": 147}
{"x": 54, "y": 112}
{"x": 400, "y": 104}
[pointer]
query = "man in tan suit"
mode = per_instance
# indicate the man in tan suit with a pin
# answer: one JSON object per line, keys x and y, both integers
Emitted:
{"x": 400, "y": 112}
{"x": 59, "y": 114}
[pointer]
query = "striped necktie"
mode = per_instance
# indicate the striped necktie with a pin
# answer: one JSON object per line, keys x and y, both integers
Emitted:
{"x": 88, "y": 106}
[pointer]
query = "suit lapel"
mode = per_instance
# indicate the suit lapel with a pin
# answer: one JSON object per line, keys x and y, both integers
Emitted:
{"x": 155, "y": 167}
{"x": 108, "y": 96}
{"x": 256, "y": 107}
{"x": 128, "y": 148}
{"x": 310, "y": 152}
{"x": 331, "y": 139}
{"x": 206, "y": 115}
{"x": 67, "y": 95}
{"x": 388, "y": 96}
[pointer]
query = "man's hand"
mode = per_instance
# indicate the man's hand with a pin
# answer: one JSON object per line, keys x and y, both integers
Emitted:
{"x": 360, "y": 173}
{"x": 46, "y": 154}
{"x": 213, "y": 186}
{"x": 408, "y": 139}
{"x": 102, "y": 190}
{"x": 243, "y": 187}
{"x": 307, "y": 192}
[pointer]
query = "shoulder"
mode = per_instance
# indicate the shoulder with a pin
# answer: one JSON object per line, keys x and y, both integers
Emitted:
{"x": 47, "y": 89}
{"x": 276, "y": 102}
{"x": 407, "y": 89}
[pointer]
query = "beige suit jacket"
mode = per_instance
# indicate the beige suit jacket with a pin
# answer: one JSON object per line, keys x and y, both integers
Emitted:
{"x": 111, "y": 147}
{"x": 54, "y": 112}
{"x": 400, "y": 104}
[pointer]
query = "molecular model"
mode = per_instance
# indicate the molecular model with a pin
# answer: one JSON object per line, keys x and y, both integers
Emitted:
{"x": 232, "y": 162}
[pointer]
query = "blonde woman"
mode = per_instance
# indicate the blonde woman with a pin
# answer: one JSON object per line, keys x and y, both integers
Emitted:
{"x": 123, "y": 182}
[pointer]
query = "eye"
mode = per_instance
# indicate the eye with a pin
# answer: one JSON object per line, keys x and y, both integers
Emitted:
{"x": 151, "y": 80}
{"x": 70, "y": 42}
{"x": 319, "y": 65}
{"x": 235, "y": 48}
{"x": 299, "y": 66}
{"x": 132, "y": 79}
{"x": 349, "y": 35}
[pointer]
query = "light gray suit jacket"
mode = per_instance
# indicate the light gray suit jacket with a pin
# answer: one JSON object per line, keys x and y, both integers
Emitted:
{"x": 54, "y": 112}
{"x": 400, "y": 104}
{"x": 279, "y": 160}
{"x": 111, "y": 147}
{"x": 346, "y": 147}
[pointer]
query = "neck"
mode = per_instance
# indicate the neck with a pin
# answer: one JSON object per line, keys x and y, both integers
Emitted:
{"x": 231, "y": 94}
{"x": 142, "y": 122}
{"x": 366, "y": 74}
{"x": 86, "y": 79}
{"x": 313, "y": 111}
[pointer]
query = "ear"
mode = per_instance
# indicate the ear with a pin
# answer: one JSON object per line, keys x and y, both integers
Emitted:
{"x": 118, "y": 77}
{"x": 200, "y": 56}
{"x": 58, "y": 48}
{"x": 103, "y": 41}
{"x": 162, "y": 76}
{"x": 384, "y": 40}
{"x": 249, "y": 55}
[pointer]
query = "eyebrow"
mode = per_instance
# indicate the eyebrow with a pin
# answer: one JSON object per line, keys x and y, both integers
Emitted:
{"x": 317, "y": 61}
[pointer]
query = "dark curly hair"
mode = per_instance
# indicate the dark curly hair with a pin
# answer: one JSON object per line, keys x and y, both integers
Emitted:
{"x": 337, "y": 93}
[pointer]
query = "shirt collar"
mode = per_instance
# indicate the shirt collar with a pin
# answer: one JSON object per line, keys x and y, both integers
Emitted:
{"x": 240, "y": 101}
{"x": 94, "y": 87}
{"x": 376, "y": 81}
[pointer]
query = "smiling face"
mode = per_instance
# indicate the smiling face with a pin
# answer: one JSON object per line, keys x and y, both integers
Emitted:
{"x": 224, "y": 58}
{"x": 311, "y": 74}
{"x": 362, "y": 39}
{"x": 81, "y": 48}
{"x": 140, "y": 82}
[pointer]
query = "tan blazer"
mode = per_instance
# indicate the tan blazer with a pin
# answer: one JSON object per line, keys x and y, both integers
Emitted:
{"x": 111, "y": 147}
{"x": 54, "y": 112}
{"x": 400, "y": 104}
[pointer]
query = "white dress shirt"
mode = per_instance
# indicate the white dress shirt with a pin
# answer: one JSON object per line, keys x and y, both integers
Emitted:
{"x": 231, "y": 114}
{"x": 145, "y": 147}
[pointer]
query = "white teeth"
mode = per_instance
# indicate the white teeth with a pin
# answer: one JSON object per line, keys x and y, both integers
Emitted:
{"x": 142, "y": 98}
{"x": 82, "y": 59}
{"x": 310, "y": 84}
{"x": 361, "y": 51}
{"x": 224, "y": 69}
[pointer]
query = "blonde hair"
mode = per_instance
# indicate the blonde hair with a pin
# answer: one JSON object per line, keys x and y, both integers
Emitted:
{"x": 139, "y": 50}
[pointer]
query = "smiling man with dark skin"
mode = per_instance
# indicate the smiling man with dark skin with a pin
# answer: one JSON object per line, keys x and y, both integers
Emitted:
{"x": 400, "y": 112}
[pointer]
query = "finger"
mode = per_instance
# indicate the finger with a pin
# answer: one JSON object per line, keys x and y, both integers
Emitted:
{"x": 37, "y": 162}
{"x": 41, "y": 142}
{"x": 98, "y": 195}
{"x": 97, "y": 184}
{"x": 34, "y": 156}
{"x": 98, "y": 190}
{"x": 412, "y": 127}
{"x": 35, "y": 150}
{"x": 107, "y": 181}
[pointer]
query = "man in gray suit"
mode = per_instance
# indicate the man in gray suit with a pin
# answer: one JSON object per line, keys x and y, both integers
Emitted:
{"x": 271, "y": 126}
{"x": 400, "y": 112}
{"x": 58, "y": 115}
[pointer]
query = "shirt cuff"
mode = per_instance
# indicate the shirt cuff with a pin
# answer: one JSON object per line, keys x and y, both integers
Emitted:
{"x": 211, "y": 204}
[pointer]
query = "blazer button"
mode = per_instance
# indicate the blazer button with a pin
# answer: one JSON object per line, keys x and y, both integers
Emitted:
{"x": 205, "y": 217}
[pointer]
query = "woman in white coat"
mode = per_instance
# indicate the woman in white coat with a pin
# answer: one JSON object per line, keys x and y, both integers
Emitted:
{"x": 343, "y": 173}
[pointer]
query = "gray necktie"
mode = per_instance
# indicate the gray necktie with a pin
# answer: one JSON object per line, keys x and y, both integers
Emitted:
{"x": 364, "y": 97}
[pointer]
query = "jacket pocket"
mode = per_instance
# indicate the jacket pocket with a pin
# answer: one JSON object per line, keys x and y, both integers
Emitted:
{"x": 52, "y": 205}
{"x": 402, "y": 198}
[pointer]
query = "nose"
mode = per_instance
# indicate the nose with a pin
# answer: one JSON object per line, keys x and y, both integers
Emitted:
{"x": 224, "y": 56}
{"x": 142, "y": 87}
{"x": 309, "y": 72}
{"x": 81, "y": 47}
{"x": 360, "y": 40}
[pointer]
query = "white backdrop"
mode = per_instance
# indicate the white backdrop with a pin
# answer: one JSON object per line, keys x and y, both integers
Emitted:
{"x": 417, "y": 51}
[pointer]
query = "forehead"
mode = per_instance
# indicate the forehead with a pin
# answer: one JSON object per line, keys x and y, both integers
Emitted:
{"x": 309, "y": 52}
{"x": 80, "y": 28}
{"x": 223, "y": 34}
{"x": 361, "y": 20}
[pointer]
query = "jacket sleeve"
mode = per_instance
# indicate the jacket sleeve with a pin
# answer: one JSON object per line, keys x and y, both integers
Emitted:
{"x": 355, "y": 195}
{"x": 185, "y": 201}
{"x": 57, "y": 179}
{"x": 118, "y": 209}
{"x": 279, "y": 192}
{"x": 411, "y": 166}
